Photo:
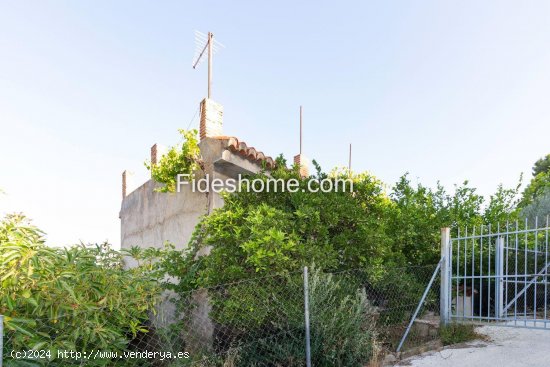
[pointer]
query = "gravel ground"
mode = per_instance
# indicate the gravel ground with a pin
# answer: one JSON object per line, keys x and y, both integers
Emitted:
{"x": 507, "y": 347}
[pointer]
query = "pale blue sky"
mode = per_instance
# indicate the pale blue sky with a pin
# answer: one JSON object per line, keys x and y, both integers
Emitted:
{"x": 445, "y": 90}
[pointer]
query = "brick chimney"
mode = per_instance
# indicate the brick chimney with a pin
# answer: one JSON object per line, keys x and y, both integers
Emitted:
{"x": 157, "y": 151}
{"x": 127, "y": 183}
{"x": 303, "y": 163}
{"x": 211, "y": 124}
{"x": 155, "y": 157}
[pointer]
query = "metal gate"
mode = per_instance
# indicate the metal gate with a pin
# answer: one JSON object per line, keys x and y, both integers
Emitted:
{"x": 497, "y": 275}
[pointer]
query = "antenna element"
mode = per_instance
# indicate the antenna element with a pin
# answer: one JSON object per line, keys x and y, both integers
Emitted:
{"x": 206, "y": 43}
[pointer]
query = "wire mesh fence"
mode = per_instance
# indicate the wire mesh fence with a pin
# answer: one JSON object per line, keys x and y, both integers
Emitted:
{"x": 355, "y": 318}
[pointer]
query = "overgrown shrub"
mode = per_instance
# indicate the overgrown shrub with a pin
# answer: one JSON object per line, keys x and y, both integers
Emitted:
{"x": 77, "y": 298}
{"x": 258, "y": 233}
{"x": 342, "y": 321}
{"x": 418, "y": 213}
{"x": 183, "y": 158}
{"x": 263, "y": 331}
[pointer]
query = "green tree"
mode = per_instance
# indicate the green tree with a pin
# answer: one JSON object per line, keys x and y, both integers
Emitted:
{"x": 420, "y": 212}
{"x": 502, "y": 206}
{"x": 539, "y": 184}
{"x": 538, "y": 209}
{"x": 542, "y": 165}
{"x": 259, "y": 233}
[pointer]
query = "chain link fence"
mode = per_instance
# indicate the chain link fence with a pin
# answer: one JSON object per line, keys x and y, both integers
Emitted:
{"x": 355, "y": 318}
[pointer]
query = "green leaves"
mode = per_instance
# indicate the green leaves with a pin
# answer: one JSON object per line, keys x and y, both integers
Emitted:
{"x": 265, "y": 244}
{"x": 542, "y": 165}
{"x": 418, "y": 213}
{"x": 182, "y": 159}
{"x": 21, "y": 325}
{"x": 52, "y": 297}
{"x": 536, "y": 188}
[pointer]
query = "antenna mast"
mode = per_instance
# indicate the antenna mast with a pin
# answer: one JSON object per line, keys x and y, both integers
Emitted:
{"x": 210, "y": 38}
{"x": 349, "y": 160}
{"x": 206, "y": 43}
{"x": 300, "y": 130}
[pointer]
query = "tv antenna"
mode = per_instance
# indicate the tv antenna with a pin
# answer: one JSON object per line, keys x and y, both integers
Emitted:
{"x": 204, "y": 43}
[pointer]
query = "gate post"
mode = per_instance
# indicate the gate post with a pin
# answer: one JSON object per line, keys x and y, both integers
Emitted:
{"x": 499, "y": 281}
{"x": 445, "y": 280}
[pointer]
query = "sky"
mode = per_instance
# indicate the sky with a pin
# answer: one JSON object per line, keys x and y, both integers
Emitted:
{"x": 445, "y": 90}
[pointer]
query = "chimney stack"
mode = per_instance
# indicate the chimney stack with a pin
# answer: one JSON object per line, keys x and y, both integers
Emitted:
{"x": 157, "y": 151}
{"x": 127, "y": 184}
{"x": 155, "y": 157}
{"x": 301, "y": 161}
{"x": 211, "y": 124}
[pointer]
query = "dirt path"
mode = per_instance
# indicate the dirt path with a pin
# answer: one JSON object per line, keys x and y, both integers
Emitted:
{"x": 508, "y": 347}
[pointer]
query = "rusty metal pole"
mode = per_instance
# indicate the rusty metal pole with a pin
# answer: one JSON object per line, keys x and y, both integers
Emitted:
{"x": 349, "y": 160}
{"x": 301, "y": 130}
{"x": 210, "y": 39}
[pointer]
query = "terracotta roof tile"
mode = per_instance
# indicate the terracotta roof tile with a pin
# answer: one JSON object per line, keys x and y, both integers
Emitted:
{"x": 250, "y": 153}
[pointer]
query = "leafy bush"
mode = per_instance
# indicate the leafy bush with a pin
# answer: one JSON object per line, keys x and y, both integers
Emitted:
{"x": 77, "y": 298}
{"x": 258, "y": 233}
{"x": 272, "y": 332}
{"x": 183, "y": 158}
{"x": 342, "y": 321}
{"x": 418, "y": 213}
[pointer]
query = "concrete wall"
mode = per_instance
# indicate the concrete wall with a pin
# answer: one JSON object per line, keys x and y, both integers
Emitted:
{"x": 149, "y": 218}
